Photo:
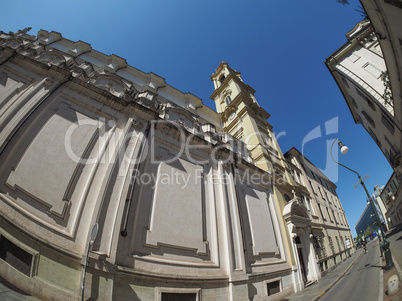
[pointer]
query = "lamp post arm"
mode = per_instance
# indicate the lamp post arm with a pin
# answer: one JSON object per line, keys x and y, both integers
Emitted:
{"x": 341, "y": 163}
{"x": 384, "y": 246}
{"x": 358, "y": 175}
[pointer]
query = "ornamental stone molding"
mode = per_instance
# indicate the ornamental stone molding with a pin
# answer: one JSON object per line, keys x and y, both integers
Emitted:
{"x": 182, "y": 117}
{"x": 73, "y": 55}
{"x": 46, "y": 38}
{"x": 51, "y": 58}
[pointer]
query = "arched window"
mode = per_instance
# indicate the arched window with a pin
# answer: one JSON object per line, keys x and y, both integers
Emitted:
{"x": 228, "y": 100}
{"x": 287, "y": 198}
{"x": 222, "y": 79}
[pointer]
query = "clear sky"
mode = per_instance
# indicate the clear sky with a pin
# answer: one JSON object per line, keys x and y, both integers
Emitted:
{"x": 278, "y": 46}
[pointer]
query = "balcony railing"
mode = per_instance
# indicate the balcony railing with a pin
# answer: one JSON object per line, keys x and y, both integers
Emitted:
{"x": 359, "y": 81}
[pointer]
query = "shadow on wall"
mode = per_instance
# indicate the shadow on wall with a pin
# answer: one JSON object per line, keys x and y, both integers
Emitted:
{"x": 252, "y": 291}
{"x": 97, "y": 278}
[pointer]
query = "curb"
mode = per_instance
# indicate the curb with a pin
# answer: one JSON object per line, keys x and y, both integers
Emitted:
{"x": 337, "y": 280}
{"x": 398, "y": 269}
{"x": 381, "y": 293}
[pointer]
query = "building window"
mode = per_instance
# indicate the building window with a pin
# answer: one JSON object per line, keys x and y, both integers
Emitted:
{"x": 331, "y": 244}
{"x": 395, "y": 183}
{"x": 333, "y": 213}
{"x": 373, "y": 70}
{"x": 337, "y": 242}
{"x": 396, "y": 3}
{"x": 387, "y": 122}
{"x": 329, "y": 215}
{"x": 273, "y": 287}
{"x": 353, "y": 102}
{"x": 295, "y": 176}
{"x": 301, "y": 179}
{"x": 322, "y": 215}
{"x": 179, "y": 297}
{"x": 360, "y": 120}
{"x": 319, "y": 189}
{"x": 373, "y": 135}
{"x": 228, "y": 100}
{"x": 222, "y": 78}
{"x": 345, "y": 82}
{"x": 18, "y": 258}
{"x": 369, "y": 119}
{"x": 353, "y": 57}
{"x": 366, "y": 98}
{"x": 312, "y": 187}
{"x": 387, "y": 140}
{"x": 310, "y": 206}
{"x": 303, "y": 199}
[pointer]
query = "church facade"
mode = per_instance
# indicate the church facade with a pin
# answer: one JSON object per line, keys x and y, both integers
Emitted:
{"x": 117, "y": 186}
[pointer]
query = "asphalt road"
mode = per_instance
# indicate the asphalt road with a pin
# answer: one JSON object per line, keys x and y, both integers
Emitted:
{"x": 361, "y": 282}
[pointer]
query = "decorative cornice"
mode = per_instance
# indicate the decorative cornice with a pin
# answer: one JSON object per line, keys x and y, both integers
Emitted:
{"x": 104, "y": 80}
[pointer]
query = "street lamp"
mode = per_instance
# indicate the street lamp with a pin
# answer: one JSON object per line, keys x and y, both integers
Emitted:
{"x": 343, "y": 147}
{"x": 384, "y": 245}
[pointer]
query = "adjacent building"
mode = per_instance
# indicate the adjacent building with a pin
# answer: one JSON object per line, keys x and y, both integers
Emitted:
{"x": 367, "y": 71}
{"x": 386, "y": 21}
{"x": 385, "y": 17}
{"x": 389, "y": 196}
{"x": 327, "y": 225}
{"x": 367, "y": 223}
{"x": 380, "y": 207}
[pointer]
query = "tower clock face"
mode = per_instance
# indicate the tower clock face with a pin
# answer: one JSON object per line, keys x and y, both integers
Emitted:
{"x": 232, "y": 116}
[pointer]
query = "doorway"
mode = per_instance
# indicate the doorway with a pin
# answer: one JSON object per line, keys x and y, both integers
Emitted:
{"x": 301, "y": 259}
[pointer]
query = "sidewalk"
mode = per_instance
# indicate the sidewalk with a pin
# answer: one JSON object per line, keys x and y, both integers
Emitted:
{"x": 317, "y": 290}
{"x": 394, "y": 237}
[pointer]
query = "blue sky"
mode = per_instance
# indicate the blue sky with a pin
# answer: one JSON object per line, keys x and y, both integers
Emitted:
{"x": 279, "y": 47}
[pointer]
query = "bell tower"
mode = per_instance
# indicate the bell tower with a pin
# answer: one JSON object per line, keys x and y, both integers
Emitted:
{"x": 243, "y": 118}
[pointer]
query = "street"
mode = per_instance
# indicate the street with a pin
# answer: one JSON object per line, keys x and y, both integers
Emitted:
{"x": 362, "y": 281}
